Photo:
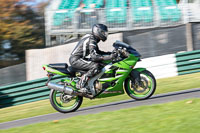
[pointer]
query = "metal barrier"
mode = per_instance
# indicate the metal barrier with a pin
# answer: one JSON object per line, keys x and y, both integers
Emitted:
{"x": 188, "y": 62}
{"x": 117, "y": 19}
{"x": 25, "y": 92}
{"x": 60, "y": 20}
{"x": 129, "y": 17}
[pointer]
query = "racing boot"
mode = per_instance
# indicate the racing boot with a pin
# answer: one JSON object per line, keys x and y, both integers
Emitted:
{"x": 81, "y": 83}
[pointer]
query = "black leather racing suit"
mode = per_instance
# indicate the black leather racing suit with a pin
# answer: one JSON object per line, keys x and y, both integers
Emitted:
{"x": 86, "y": 55}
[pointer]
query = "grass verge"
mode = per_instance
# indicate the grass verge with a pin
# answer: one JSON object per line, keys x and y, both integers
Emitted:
{"x": 43, "y": 107}
{"x": 174, "y": 117}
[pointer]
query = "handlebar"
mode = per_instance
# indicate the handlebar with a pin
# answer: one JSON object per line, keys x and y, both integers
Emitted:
{"x": 121, "y": 52}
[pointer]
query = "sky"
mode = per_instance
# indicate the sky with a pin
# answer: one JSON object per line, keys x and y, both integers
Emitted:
{"x": 36, "y": 2}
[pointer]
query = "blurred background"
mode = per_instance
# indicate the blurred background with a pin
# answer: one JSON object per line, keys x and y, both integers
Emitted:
{"x": 36, "y": 32}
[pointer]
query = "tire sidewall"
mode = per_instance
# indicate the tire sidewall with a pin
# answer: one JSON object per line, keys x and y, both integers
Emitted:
{"x": 51, "y": 97}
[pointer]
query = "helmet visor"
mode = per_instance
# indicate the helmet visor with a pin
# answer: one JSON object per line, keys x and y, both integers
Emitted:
{"x": 105, "y": 33}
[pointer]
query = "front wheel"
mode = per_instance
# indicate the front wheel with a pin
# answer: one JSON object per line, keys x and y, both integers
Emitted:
{"x": 64, "y": 103}
{"x": 142, "y": 90}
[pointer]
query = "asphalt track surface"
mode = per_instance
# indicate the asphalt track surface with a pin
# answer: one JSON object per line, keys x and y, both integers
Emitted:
{"x": 157, "y": 99}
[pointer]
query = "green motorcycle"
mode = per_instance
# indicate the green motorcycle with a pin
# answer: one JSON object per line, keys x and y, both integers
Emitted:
{"x": 115, "y": 77}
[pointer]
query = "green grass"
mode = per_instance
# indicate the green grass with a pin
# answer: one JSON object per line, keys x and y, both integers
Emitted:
{"x": 174, "y": 117}
{"x": 43, "y": 107}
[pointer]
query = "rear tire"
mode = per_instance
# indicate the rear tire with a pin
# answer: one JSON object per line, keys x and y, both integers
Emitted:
{"x": 148, "y": 79}
{"x": 58, "y": 105}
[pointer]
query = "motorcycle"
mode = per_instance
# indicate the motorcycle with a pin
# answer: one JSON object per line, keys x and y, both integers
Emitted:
{"x": 116, "y": 77}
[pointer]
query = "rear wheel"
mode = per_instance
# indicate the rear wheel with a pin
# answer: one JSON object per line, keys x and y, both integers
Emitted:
{"x": 64, "y": 103}
{"x": 142, "y": 90}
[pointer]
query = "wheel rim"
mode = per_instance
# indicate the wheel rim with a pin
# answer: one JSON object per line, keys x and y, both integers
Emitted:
{"x": 62, "y": 105}
{"x": 149, "y": 85}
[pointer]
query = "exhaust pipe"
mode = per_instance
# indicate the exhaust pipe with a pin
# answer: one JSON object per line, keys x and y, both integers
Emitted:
{"x": 60, "y": 88}
{"x": 67, "y": 90}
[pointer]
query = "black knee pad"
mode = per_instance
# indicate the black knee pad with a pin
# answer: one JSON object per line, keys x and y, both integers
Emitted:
{"x": 95, "y": 70}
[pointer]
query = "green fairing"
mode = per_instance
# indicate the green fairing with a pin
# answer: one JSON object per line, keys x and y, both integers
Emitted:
{"x": 131, "y": 60}
{"x": 126, "y": 63}
{"x": 140, "y": 69}
{"x": 122, "y": 74}
{"x": 109, "y": 71}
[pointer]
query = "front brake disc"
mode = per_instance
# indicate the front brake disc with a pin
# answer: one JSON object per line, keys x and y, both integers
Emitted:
{"x": 140, "y": 86}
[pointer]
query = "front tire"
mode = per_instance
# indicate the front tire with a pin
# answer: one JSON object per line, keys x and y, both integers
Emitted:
{"x": 64, "y": 103}
{"x": 143, "y": 91}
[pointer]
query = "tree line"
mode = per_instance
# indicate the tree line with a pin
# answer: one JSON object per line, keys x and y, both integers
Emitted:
{"x": 21, "y": 28}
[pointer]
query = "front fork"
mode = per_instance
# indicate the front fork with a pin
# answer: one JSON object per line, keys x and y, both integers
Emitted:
{"x": 135, "y": 76}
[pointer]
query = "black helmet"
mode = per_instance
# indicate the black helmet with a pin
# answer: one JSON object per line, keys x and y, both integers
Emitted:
{"x": 100, "y": 31}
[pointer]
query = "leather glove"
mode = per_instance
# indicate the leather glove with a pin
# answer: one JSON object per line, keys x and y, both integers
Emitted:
{"x": 113, "y": 56}
{"x": 110, "y": 57}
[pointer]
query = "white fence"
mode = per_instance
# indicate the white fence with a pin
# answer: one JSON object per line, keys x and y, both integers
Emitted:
{"x": 161, "y": 66}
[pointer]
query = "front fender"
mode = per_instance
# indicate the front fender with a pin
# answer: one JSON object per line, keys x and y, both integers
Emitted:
{"x": 139, "y": 69}
{"x": 135, "y": 74}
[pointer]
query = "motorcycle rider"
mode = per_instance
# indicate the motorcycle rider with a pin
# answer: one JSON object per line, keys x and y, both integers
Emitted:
{"x": 86, "y": 55}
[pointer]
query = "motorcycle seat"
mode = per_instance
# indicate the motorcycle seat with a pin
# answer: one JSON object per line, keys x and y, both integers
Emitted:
{"x": 58, "y": 65}
{"x": 64, "y": 68}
